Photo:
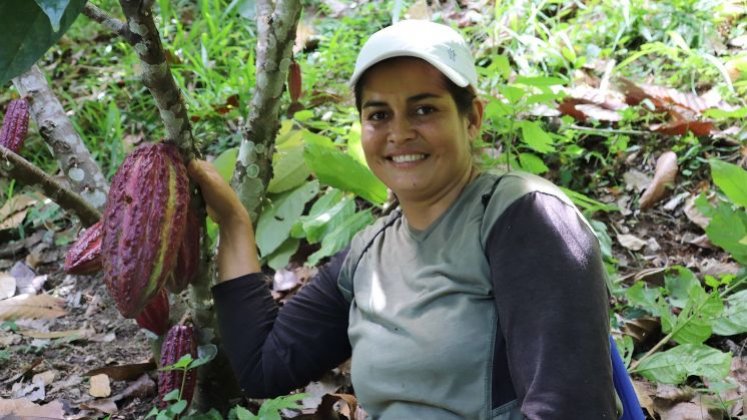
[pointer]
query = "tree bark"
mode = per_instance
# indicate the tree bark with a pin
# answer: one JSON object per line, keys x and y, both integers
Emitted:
{"x": 71, "y": 153}
{"x": 276, "y": 32}
{"x": 156, "y": 75}
{"x": 25, "y": 172}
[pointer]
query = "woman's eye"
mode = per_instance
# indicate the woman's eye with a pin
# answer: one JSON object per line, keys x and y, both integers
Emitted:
{"x": 377, "y": 116}
{"x": 424, "y": 110}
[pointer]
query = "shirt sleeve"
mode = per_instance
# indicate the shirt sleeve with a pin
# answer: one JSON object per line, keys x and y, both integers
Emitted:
{"x": 551, "y": 301}
{"x": 275, "y": 351}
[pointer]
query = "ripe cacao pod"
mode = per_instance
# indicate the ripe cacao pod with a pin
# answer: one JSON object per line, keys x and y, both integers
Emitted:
{"x": 188, "y": 260}
{"x": 155, "y": 316}
{"x": 84, "y": 257}
{"x": 180, "y": 340}
{"x": 294, "y": 81}
{"x": 15, "y": 125}
{"x": 144, "y": 223}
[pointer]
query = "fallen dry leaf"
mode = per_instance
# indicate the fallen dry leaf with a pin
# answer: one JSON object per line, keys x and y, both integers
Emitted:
{"x": 143, "y": 387}
{"x": 99, "y": 386}
{"x": 7, "y": 286}
{"x": 682, "y": 127}
{"x": 14, "y": 211}
{"x": 692, "y": 410}
{"x": 631, "y": 242}
{"x": 27, "y": 409}
{"x": 106, "y": 406}
{"x": 644, "y": 390}
{"x": 32, "y": 306}
{"x": 45, "y": 378}
{"x": 636, "y": 180}
{"x": 642, "y": 329}
{"x": 694, "y": 215}
{"x": 123, "y": 372}
{"x": 664, "y": 175}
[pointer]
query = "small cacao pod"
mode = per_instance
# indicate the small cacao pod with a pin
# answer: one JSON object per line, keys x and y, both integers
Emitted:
{"x": 15, "y": 125}
{"x": 155, "y": 316}
{"x": 179, "y": 341}
{"x": 294, "y": 81}
{"x": 145, "y": 217}
{"x": 84, "y": 257}
{"x": 188, "y": 260}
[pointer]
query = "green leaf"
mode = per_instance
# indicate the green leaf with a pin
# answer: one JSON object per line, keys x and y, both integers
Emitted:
{"x": 241, "y": 413}
{"x": 675, "y": 365}
{"x": 28, "y": 34}
{"x": 731, "y": 179}
{"x": 733, "y": 319}
{"x": 182, "y": 363}
{"x": 340, "y": 170}
{"x": 270, "y": 409}
{"x": 355, "y": 147}
{"x": 694, "y": 324}
{"x": 289, "y": 170}
{"x": 535, "y": 137}
{"x": 341, "y": 236}
{"x": 679, "y": 281}
{"x": 540, "y": 81}
{"x": 512, "y": 94}
{"x": 727, "y": 229}
{"x": 720, "y": 114}
{"x": 647, "y": 299}
{"x": 276, "y": 221}
{"x": 205, "y": 354}
{"x": 281, "y": 256}
{"x": 225, "y": 163}
{"x": 322, "y": 221}
{"x": 322, "y": 205}
{"x": 532, "y": 163}
{"x": 54, "y": 9}
{"x": 172, "y": 395}
{"x": 178, "y": 407}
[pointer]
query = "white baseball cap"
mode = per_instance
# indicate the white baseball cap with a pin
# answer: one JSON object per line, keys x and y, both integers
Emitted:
{"x": 442, "y": 47}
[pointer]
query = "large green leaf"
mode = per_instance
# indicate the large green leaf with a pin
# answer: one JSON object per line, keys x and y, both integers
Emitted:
{"x": 340, "y": 237}
{"x": 28, "y": 34}
{"x": 355, "y": 147}
{"x": 535, "y": 137}
{"x": 733, "y": 319}
{"x": 679, "y": 281}
{"x": 728, "y": 229}
{"x": 325, "y": 215}
{"x": 731, "y": 179}
{"x": 647, "y": 299}
{"x": 694, "y": 324}
{"x": 282, "y": 255}
{"x": 289, "y": 169}
{"x": 340, "y": 170}
{"x": 675, "y": 365}
{"x": 54, "y": 9}
{"x": 275, "y": 223}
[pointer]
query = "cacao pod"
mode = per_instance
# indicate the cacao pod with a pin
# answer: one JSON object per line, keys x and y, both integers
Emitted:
{"x": 188, "y": 260}
{"x": 15, "y": 125}
{"x": 144, "y": 223}
{"x": 155, "y": 316}
{"x": 179, "y": 341}
{"x": 84, "y": 257}
{"x": 294, "y": 81}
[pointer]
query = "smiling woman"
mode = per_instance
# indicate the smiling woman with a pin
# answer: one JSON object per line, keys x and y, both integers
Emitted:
{"x": 482, "y": 297}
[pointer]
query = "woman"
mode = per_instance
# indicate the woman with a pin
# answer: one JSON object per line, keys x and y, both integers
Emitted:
{"x": 482, "y": 297}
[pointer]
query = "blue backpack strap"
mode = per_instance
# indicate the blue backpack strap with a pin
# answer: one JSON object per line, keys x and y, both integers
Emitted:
{"x": 624, "y": 386}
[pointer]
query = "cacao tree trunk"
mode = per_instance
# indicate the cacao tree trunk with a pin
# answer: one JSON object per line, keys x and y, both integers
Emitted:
{"x": 71, "y": 153}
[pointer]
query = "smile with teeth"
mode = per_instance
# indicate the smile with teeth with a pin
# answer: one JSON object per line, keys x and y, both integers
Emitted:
{"x": 407, "y": 158}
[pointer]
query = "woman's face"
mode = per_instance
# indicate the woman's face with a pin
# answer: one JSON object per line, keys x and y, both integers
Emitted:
{"x": 413, "y": 136}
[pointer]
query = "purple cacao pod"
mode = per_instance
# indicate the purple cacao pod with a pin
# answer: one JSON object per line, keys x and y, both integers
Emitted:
{"x": 155, "y": 316}
{"x": 145, "y": 219}
{"x": 179, "y": 341}
{"x": 188, "y": 260}
{"x": 84, "y": 257}
{"x": 15, "y": 125}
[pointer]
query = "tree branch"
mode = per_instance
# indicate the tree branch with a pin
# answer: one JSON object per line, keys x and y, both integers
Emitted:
{"x": 276, "y": 33}
{"x": 18, "y": 168}
{"x": 156, "y": 75}
{"x": 113, "y": 24}
{"x": 71, "y": 153}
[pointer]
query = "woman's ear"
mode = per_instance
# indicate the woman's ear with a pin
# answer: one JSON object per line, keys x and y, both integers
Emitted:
{"x": 475, "y": 118}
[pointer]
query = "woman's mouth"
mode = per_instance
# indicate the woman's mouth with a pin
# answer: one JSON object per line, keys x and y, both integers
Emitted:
{"x": 408, "y": 158}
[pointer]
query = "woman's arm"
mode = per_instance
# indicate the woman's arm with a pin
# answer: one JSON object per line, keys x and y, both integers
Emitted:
{"x": 272, "y": 352}
{"x": 552, "y": 305}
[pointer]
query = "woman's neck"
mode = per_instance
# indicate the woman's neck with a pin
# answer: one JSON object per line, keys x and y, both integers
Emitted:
{"x": 420, "y": 213}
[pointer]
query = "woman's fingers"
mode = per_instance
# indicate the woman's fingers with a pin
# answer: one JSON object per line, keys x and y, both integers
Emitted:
{"x": 222, "y": 201}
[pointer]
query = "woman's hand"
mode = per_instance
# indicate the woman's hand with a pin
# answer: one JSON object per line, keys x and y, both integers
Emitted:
{"x": 237, "y": 249}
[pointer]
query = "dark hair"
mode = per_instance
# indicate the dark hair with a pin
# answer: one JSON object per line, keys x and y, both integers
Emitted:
{"x": 463, "y": 96}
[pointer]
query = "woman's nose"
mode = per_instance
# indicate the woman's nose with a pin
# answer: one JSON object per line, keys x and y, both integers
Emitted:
{"x": 400, "y": 130}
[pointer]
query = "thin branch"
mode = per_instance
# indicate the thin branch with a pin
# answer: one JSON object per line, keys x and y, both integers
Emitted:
{"x": 276, "y": 33}
{"x": 111, "y": 23}
{"x": 72, "y": 155}
{"x": 156, "y": 75}
{"x": 18, "y": 168}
